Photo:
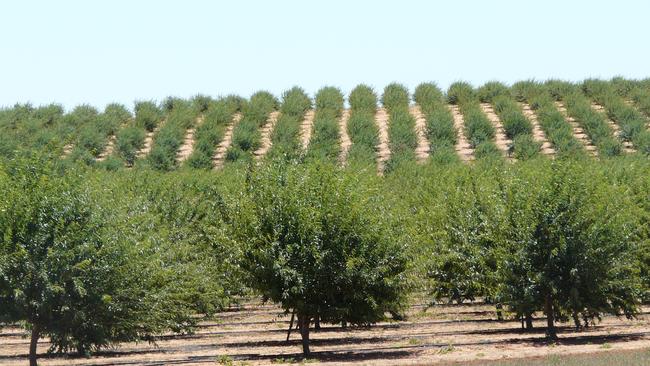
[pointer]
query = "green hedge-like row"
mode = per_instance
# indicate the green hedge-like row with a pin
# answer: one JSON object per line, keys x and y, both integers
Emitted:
{"x": 362, "y": 129}
{"x": 210, "y": 133}
{"x": 24, "y": 127}
{"x": 515, "y": 124}
{"x": 552, "y": 122}
{"x": 181, "y": 116}
{"x": 246, "y": 135}
{"x": 631, "y": 121}
{"x": 325, "y": 143}
{"x": 285, "y": 138}
{"x": 401, "y": 126}
{"x": 440, "y": 123}
{"x": 478, "y": 128}
{"x": 594, "y": 123}
{"x": 93, "y": 137}
{"x": 130, "y": 139}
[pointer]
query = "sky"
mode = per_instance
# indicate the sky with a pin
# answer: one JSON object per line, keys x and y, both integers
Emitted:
{"x": 98, "y": 52}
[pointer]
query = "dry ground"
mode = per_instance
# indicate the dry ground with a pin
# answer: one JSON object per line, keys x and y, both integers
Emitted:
{"x": 255, "y": 334}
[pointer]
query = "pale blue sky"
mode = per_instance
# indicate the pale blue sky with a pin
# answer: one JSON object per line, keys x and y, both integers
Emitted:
{"x": 97, "y": 52}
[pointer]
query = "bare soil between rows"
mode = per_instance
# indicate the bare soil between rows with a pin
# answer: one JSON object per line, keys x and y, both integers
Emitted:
{"x": 255, "y": 334}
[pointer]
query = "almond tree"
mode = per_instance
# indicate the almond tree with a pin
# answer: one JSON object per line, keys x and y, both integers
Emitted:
{"x": 314, "y": 243}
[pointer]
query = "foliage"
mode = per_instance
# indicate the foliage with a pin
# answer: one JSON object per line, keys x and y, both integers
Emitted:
{"x": 552, "y": 122}
{"x": 631, "y": 121}
{"x": 169, "y": 138}
{"x": 147, "y": 115}
{"x": 285, "y": 138}
{"x": 517, "y": 127}
{"x": 362, "y": 129}
{"x": 69, "y": 274}
{"x": 574, "y": 250}
{"x": 592, "y": 122}
{"x": 441, "y": 132}
{"x": 315, "y": 243}
{"x": 208, "y": 135}
{"x": 246, "y": 135}
{"x": 401, "y": 126}
{"x": 491, "y": 90}
{"x": 324, "y": 144}
{"x": 129, "y": 141}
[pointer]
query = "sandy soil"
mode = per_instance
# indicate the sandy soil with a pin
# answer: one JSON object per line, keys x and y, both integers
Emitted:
{"x": 187, "y": 147}
{"x": 463, "y": 148}
{"x": 344, "y": 137}
{"x": 627, "y": 146}
{"x": 500, "y": 139}
{"x": 383, "y": 151}
{"x": 220, "y": 153}
{"x": 423, "y": 148}
{"x": 578, "y": 132}
{"x": 306, "y": 128}
{"x": 538, "y": 133}
{"x": 266, "y": 131}
{"x": 255, "y": 334}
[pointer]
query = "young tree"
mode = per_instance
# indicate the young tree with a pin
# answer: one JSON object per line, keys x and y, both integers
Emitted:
{"x": 577, "y": 239}
{"x": 314, "y": 242}
{"x": 68, "y": 274}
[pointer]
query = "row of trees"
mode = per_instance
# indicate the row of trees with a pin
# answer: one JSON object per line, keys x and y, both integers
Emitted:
{"x": 285, "y": 138}
{"x": 566, "y": 238}
{"x": 479, "y": 130}
{"x": 401, "y": 126}
{"x": 92, "y": 258}
{"x": 516, "y": 125}
{"x": 362, "y": 128}
{"x": 325, "y": 141}
{"x": 551, "y": 120}
{"x": 441, "y": 133}
{"x": 83, "y": 133}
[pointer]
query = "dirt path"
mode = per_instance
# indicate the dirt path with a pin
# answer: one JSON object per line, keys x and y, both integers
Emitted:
{"x": 423, "y": 148}
{"x": 578, "y": 132}
{"x": 306, "y": 128}
{"x": 627, "y": 145}
{"x": 148, "y": 141}
{"x": 108, "y": 149}
{"x": 255, "y": 334}
{"x": 266, "y": 131}
{"x": 538, "y": 133}
{"x": 187, "y": 147}
{"x": 220, "y": 152}
{"x": 345, "y": 138}
{"x": 383, "y": 151}
{"x": 463, "y": 148}
{"x": 501, "y": 139}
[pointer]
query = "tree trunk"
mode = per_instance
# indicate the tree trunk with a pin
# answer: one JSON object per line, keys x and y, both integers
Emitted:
{"x": 529, "y": 321}
{"x": 550, "y": 318}
{"x": 499, "y": 311}
{"x": 317, "y": 322}
{"x": 576, "y": 320}
{"x": 33, "y": 344}
{"x": 303, "y": 321}
{"x": 293, "y": 314}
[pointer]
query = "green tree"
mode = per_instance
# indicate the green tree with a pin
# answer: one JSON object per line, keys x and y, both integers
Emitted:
{"x": 314, "y": 242}
{"x": 575, "y": 254}
{"x": 66, "y": 273}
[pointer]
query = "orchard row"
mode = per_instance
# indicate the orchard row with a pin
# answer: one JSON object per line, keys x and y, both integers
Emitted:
{"x": 519, "y": 122}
